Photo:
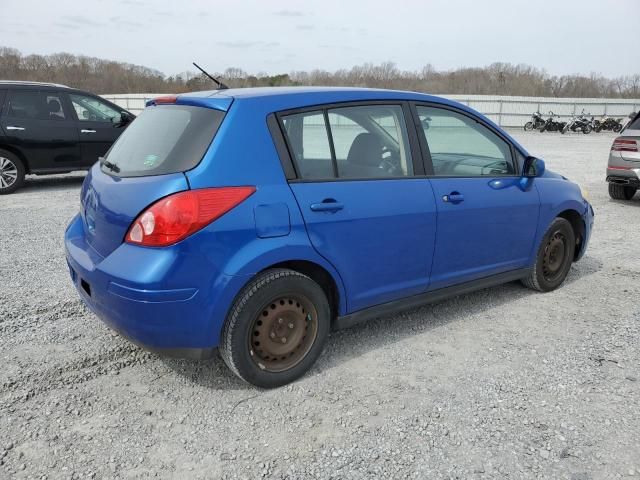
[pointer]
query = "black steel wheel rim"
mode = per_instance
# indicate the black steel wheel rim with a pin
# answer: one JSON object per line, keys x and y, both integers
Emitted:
{"x": 283, "y": 332}
{"x": 554, "y": 256}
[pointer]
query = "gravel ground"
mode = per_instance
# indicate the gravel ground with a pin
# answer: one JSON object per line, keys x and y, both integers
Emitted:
{"x": 502, "y": 383}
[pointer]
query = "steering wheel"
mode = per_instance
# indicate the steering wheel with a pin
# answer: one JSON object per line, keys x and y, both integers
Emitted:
{"x": 391, "y": 162}
{"x": 490, "y": 168}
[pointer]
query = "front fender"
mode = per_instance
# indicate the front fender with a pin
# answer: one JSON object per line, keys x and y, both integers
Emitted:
{"x": 557, "y": 195}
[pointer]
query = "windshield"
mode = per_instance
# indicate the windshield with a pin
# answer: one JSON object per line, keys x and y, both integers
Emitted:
{"x": 163, "y": 139}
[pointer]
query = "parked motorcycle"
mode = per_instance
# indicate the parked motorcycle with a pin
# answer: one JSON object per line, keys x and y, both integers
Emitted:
{"x": 578, "y": 123}
{"x": 535, "y": 123}
{"x": 552, "y": 125}
{"x": 608, "y": 123}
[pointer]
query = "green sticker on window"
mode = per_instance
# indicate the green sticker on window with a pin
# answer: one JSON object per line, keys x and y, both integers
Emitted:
{"x": 150, "y": 160}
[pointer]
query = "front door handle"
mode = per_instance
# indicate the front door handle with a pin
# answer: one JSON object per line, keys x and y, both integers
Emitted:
{"x": 453, "y": 197}
{"x": 12, "y": 127}
{"x": 327, "y": 205}
{"x": 85, "y": 130}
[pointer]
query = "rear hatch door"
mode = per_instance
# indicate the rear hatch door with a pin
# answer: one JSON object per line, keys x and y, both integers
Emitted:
{"x": 146, "y": 163}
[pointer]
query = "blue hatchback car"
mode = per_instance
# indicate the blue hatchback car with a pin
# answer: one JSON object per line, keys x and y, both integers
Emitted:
{"x": 256, "y": 220}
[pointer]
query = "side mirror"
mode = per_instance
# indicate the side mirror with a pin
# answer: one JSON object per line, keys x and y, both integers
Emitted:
{"x": 125, "y": 117}
{"x": 533, "y": 167}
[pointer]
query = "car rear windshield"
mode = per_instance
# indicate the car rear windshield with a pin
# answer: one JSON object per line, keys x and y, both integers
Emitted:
{"x": 163, "y": 139}
{"x": 635, "y": 123}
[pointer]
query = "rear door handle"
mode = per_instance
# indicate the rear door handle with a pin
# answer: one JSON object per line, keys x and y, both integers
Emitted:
{"x": 327, "y": 205}
{"x": 84, "y": 130}
{"x": 453, "y": 197}
{"x": 11, "y": 127}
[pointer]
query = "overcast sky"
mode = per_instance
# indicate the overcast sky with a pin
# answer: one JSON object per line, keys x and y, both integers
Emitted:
{"x": 561, "y": 36}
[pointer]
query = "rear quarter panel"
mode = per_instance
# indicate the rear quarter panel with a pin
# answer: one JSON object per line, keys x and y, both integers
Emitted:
{"x": 243, "y": 153}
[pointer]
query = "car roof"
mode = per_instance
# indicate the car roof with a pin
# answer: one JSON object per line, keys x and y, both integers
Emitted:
{"x": 278, "y": 99}
{"x": 314, "y": 95}
{"x": 22, "y": 83}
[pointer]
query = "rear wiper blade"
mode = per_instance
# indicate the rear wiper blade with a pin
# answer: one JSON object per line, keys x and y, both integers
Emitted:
{"x": 111, "y": 166}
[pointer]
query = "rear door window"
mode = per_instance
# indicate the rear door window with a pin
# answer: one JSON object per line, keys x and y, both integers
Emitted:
{"x": 35, "y": 105}
{"x": 54, "y": 106}
{"x": 359, "y": 142}
{"x": 370, "y": 141}
{"x": 164, "y": 139}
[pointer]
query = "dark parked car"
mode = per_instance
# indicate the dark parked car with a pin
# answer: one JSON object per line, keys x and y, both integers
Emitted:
{"x": 48, "y": 128}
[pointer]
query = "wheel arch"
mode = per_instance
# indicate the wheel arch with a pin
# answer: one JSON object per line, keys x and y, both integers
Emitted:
{"x": 321, "y": 276}
{"x": 296, "y": 254}
{"x": 19, "y": 154}
{"x": 578, "y": 226}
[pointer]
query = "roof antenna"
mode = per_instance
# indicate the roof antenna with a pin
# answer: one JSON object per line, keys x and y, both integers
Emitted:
{"x": 221, "y": 86}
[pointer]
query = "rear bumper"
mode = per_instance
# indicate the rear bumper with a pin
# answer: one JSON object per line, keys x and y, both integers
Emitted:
{"x": 623, "y": 170}
{"x": 631, "y": 180}
{"x": 153, "y": 297}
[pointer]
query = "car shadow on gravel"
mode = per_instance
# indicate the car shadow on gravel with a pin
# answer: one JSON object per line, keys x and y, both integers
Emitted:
{"x": 634, "y": 202}
{"x": 211, "y": 373}
{"x": 378, "y": 333}
{"x": 50, "y": 183}
{"x": 360, "y": 339}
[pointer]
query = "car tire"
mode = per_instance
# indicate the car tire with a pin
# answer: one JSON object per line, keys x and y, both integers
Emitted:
{"x": 11, "y": 172}
{"x": 621, "y": 192}
{"x": 554, "y": 257}
{"x": 528, "y": 126}
{"x": 278, "y": 306}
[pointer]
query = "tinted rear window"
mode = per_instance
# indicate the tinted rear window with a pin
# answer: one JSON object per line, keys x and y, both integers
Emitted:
{"x": 635, "y": 123}
{"x": 164, "y": 139}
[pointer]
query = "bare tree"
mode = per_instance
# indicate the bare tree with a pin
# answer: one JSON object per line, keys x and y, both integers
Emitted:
{"x": 105, "y": 76}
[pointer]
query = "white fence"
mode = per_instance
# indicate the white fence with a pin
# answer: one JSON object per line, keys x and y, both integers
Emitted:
{"x": 515, "y": 111}
{"x": 505, "y": 111}
{"x": 134, "y": 102}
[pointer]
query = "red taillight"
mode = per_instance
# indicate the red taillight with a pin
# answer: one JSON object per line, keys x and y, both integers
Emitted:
{"x": 179, "y": 215}
{"x": 622, "y": 144}
{"x": 167, "y": 99}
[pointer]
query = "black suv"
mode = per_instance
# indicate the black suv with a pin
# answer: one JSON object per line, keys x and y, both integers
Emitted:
{"x": 48, "y": 128}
